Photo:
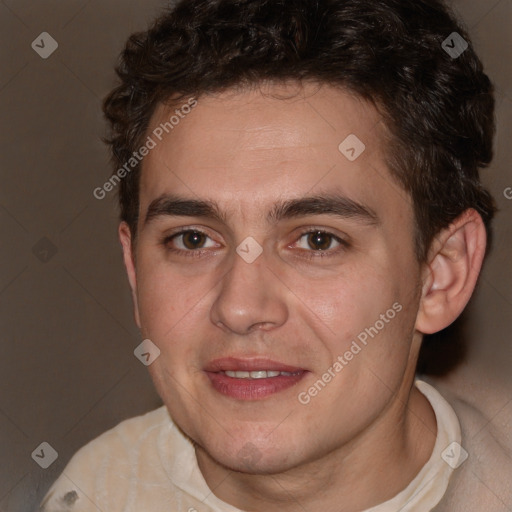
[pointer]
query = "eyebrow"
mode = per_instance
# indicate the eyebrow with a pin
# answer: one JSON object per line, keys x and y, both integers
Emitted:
{"x": 324, "y": 204}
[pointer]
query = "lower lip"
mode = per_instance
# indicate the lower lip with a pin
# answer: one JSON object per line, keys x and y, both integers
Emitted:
{"x": 252, "y": 389}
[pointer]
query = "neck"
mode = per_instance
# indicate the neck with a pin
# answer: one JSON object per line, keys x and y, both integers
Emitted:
{"x": 371, "y": 469}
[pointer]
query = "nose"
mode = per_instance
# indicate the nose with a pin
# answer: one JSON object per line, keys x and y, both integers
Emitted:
{"x": 250, "y": 297}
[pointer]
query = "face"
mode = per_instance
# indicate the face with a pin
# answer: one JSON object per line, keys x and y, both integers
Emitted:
{"x": 266, "y": 249}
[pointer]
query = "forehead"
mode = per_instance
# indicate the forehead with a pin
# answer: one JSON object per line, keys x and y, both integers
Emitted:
{"x": 244, "y": 149}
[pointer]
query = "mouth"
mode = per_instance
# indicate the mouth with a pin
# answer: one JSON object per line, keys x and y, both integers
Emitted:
{"x": 252, "y": 379}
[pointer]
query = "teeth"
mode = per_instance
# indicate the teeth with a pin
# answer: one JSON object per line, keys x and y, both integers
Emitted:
{"x": 260, "y": 374}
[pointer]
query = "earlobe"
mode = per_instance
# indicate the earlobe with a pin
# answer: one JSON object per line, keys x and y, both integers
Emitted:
{"x": 450, "y": 277}
{"x": 125, "y": 238}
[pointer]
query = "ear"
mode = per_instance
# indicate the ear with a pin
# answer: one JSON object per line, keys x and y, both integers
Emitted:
{"x": 450, "y": 276}
{"x": 125, "y": 237}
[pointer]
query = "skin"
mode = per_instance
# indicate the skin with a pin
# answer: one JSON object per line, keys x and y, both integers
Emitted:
{"x": 365, "y": 436}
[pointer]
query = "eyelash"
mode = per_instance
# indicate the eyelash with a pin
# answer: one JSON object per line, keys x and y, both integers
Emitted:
{"x": 310, "y": 254}
{"x": 329, "y": 253}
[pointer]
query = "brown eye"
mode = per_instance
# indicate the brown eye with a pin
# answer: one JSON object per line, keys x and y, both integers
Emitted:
{"x": 319, "y": 240}
{"x": 319, "y": 243}
{"x": 193, "y": 239}
{"x": 189, "y": 240}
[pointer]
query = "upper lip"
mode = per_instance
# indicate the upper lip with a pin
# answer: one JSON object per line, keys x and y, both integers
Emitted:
{"x": 249, "y": 365}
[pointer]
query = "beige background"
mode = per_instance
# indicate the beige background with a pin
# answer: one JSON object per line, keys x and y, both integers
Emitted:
{"x": 67, "y": 370}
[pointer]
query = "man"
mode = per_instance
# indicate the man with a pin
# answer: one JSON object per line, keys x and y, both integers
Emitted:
{"x": 300, "y": 205}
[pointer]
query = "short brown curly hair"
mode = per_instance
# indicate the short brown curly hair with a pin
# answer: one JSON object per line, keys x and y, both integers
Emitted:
{"x": 439, "y": 109}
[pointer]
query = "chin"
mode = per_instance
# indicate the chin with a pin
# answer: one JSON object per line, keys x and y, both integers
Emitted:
{"x": 254, "y": 460}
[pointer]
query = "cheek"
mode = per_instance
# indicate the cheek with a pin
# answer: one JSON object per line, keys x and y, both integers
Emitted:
{"x": 164, "y": 299}
{"x": 372, "y": 308}
{"x": 174, "y": 312}
{"x": 157, "y": 308}
{"x": 346, "y": 301}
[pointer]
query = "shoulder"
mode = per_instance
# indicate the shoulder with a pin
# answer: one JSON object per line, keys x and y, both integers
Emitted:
{"x": 484, "y": 409}
{"x": 109, "y": 461}
{"x": 125, "y": 438}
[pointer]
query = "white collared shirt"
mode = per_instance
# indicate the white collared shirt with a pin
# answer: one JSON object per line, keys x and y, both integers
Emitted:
{"x": 146, "y": 464}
